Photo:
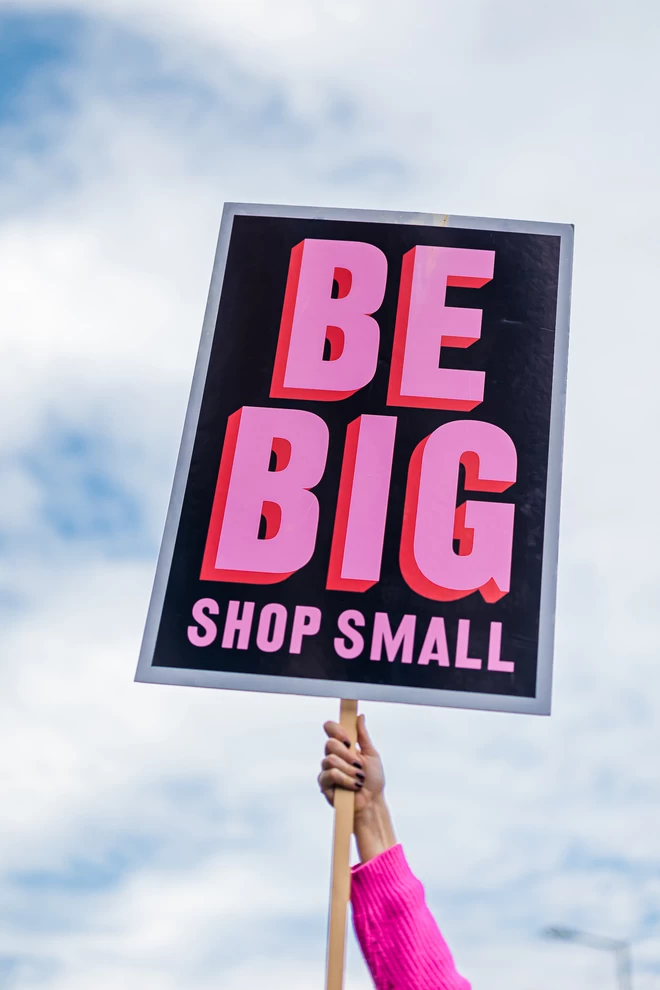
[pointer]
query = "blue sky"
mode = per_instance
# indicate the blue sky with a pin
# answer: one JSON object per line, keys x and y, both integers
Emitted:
{"x": 148, "y": 832}
{"x": 33, "y": 50}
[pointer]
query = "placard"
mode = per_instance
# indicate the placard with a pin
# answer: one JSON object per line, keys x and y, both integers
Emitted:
{"x": 366, "y": 502}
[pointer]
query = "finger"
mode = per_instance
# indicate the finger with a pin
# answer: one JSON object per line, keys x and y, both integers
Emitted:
{"x": 336, "y": 762}
{"x": 329, "y": 779}
{"x": 336, "y": 748}
{"x": 328, "y": 792}
{"x": 334, "y": 731}
{"x": 364, "y": 739}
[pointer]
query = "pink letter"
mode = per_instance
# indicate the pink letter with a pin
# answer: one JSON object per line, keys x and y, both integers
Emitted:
{"x": 351, "y": 615}
{"x": 364, "y": 487}
{"x": 311, "y": 317}
{"x": 495, "y": 650}
{"x": 235, "y": 625}
{"x": 435, "y": 643}
{"x": 199, "y": 611}
{"x": 382, "y": 636}
{"x": 462, "y": 646}
{"x": 306, "y": 622}
{"x": 431, "y": 521}
{"x": 248, "y": 490}
{"x": 270, "y": 639}
{"x": 424, "y": 323}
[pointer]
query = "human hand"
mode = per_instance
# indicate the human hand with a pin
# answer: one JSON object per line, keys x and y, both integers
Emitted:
{"x": 357, "y": 769}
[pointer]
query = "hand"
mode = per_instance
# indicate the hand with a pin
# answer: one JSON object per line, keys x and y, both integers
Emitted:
{"x": 355, "y": 769}
{"x": 358, "y": 769}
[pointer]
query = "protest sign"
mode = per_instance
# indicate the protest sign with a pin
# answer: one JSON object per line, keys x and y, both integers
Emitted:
{"x": 366, "y": 503}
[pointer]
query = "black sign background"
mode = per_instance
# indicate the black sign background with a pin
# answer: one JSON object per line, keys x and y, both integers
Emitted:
{"x": 516, "y": 351}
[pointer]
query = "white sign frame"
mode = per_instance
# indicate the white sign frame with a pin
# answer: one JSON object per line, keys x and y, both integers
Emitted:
{"x": 539, "y": 705}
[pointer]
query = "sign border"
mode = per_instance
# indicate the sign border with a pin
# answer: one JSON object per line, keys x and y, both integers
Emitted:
{"x": 229, "y": 680}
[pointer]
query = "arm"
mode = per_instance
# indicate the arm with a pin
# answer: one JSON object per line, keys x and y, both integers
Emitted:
{"x": 399, "y": 938}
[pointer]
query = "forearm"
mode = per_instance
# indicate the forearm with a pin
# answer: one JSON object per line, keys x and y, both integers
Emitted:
{"x": 399, "y": 938}
{"x": 374, "y": 832}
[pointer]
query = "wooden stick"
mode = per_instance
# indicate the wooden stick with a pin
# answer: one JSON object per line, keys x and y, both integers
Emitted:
{"x": 340, "y": 890}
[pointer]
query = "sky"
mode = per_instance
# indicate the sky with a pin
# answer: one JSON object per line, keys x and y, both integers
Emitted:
{"x": 159, "y": 838}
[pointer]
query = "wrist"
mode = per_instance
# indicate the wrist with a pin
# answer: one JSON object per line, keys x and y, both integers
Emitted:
{"x": 373, "y": 829}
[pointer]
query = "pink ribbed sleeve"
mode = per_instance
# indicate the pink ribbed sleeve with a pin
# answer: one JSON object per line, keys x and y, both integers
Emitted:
{"x": 400, "y": 941}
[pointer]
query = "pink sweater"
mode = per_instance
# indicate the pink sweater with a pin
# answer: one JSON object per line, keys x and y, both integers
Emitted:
{"x": 400, "y": 941}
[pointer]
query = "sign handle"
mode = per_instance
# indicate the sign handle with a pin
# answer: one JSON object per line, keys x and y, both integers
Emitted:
{"x": 340, "y": 890}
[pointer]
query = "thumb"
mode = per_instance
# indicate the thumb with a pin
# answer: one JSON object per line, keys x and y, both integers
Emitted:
{"x": 363, "y": 738}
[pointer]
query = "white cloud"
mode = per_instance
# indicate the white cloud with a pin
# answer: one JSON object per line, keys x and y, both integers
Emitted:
{"x": 105, "y": 253}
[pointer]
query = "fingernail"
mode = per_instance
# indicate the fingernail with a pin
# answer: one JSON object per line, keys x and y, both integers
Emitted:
{"x": 360, "y": 776}
{"x": 359, "y": 783}
{"x": 358, "y": 765}
{"x": 347, "y": 744}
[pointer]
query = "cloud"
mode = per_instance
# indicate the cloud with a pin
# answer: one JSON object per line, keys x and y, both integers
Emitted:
{"x": 169, "y": 838}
